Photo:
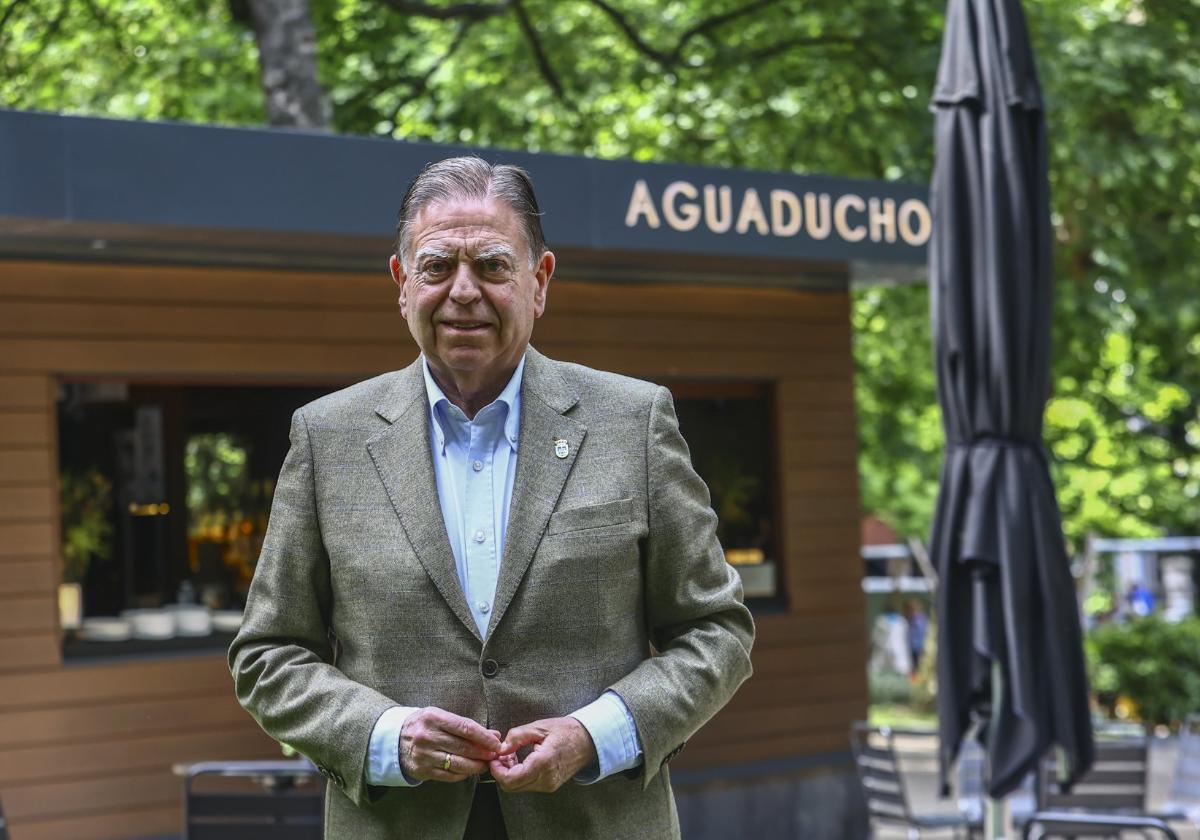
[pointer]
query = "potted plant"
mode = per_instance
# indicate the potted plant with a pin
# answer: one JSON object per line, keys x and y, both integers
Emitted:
{"x": 85, "y": 502}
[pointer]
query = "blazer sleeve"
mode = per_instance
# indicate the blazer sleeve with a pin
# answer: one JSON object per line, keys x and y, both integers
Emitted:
{"x": 282, "y": 659}
{"x": 700, "y": 628}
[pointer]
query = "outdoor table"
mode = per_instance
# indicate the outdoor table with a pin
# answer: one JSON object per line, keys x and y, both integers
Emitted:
{"x": 280, "y": 809}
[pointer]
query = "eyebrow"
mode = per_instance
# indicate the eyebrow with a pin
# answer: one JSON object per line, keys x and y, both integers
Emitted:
{"x": 493, "y": 251}
{"x": 432, "y": 253}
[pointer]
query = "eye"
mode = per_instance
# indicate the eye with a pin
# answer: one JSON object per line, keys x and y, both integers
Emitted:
{"x": 494, "y": 266}
{"x": 436, "y": 267}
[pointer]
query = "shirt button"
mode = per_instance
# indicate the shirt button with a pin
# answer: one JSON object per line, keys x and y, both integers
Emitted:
{"x": 490, "y": 668}
{"x": 477, "y": 466}
{"x": 479, "y": 536}
{"x": 484, "y": 607}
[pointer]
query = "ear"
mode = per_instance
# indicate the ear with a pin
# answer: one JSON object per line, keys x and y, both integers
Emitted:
{"x": 541, "y": 276}
{"x": 399, "y": 277}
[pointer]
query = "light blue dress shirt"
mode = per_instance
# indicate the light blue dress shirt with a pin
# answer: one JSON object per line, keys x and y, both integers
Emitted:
{"x": 475, "y": 462}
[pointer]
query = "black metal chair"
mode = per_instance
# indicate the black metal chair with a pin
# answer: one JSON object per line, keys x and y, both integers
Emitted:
{"x": 875, "y": 758}
{"x": 1115, "y": 787}
{"x": 279, "y": 800}
{"x": 1116, "y": 783}
{"x": 1045, "y": 824}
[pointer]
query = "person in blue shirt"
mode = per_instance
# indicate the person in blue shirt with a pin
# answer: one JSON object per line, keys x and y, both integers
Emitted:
{"x": 918, "y": 631}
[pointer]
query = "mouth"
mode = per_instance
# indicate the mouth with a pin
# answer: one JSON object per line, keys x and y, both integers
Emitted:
{"x": 465, "y": 326}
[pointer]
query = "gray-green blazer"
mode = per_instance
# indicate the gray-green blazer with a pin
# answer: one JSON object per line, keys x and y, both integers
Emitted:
{"x": 612, "y": 578}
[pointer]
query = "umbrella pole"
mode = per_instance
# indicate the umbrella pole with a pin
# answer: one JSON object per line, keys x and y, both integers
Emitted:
{"x": 995, "y": 819}
{"x": 995, "y": 815}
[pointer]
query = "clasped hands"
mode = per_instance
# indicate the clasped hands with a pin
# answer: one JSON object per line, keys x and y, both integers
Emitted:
{"x": 436, "y": 745}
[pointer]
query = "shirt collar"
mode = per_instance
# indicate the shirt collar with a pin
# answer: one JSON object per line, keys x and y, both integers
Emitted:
{"x": 510, "y": 397}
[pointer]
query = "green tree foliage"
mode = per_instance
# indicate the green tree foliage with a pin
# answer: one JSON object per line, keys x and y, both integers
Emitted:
{"x": 838, "y": 86}
{"x": 138, "y": 59}
{"x": 899, "y": 422}
{"x": 1123, "y": 423}
{"x": 85, "y": 502}
{"x": 830, "y": 86}
{"x": 1154, "y": 663}
{"x": 758, "y": 84}
{"x": 218, "y": 478}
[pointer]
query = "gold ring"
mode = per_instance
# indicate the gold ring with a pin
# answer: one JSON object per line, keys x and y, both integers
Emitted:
{"x": 446, "y": 763}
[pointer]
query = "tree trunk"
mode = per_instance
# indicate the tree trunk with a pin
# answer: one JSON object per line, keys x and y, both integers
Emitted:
{"x": 287, "y": 57}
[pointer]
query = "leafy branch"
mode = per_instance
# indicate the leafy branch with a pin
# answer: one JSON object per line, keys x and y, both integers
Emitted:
{"x": 455, "y": 11}
{"x": 671, "y": 58}
{"x": 421, "y": 83}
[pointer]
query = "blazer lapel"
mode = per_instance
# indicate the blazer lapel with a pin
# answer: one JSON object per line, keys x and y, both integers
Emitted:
{"x": 541, "y": 471}
{"x": 404, "y": 460}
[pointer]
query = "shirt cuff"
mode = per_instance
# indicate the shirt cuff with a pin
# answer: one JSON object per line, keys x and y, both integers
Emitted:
{"x": 383, "y": 751}
{"x": 614, "y": 733}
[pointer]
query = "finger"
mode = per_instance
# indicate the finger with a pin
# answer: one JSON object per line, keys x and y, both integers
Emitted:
{"x": 454, "y": 745}
{"x": 467, "y": 766}
{"x": 426, "y": 733}
{"x": 466, "y": 729}
{"x": 436, "y": 759}
{"x": 509, "y": 776}
{"x": 521, "y": 776}
{"x": 522, "y": 736}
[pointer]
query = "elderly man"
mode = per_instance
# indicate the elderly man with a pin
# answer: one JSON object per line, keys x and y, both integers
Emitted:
{"x": 491, "y": 602}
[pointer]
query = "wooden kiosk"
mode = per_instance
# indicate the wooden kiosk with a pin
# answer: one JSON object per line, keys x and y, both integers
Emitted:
{"x": 161, "y": 286}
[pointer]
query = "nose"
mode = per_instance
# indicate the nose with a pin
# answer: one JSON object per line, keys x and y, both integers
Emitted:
{"x": 465, "y": 287}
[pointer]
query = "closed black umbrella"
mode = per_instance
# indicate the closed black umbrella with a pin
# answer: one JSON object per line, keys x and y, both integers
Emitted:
{"x": 1009, "y": 642}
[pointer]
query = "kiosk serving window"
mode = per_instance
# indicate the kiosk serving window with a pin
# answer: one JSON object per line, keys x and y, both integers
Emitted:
{"x": 166, "y": 491}
{"x": 730, "y": 431}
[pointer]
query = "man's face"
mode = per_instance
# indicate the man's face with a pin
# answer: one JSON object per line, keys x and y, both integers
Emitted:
{"x": 469, "y": 292}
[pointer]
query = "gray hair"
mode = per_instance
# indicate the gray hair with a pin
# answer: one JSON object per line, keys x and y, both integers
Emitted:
{"x": 471, "y": 177}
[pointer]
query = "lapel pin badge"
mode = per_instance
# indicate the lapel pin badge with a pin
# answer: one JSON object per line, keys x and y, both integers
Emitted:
{"x": 561, "y": 447}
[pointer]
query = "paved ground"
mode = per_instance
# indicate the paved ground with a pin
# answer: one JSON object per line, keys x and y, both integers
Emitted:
{"x": 919, "y": 765}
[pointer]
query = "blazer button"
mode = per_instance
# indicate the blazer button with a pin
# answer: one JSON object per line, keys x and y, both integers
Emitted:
{"x": 490, "y": 668}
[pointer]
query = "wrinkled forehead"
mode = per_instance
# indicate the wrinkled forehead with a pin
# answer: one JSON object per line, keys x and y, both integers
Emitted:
{"x": 470, "y": 224}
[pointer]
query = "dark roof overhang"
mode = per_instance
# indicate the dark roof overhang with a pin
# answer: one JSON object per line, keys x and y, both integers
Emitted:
{"x": 87, "y": 188}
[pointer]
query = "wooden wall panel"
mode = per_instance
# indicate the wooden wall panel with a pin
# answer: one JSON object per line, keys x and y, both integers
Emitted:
{"x": 802, "y": 741}
{"x": 88, "y": 795}
{"x": 213, "y": 359}
{"x": 28, "y": 576}
{"x": 23, "y": 465}
{"x": 22, "y": 427}
{"x": 118, "y": 726}
{"x": 106, "y": 721}
{"x": 26, "y": 538}
{"x": 22, "y": 392}
{"x": 814, "y": 661}
{"x": 26, "y": 650}
{"x": 40, "y": 281}
{"x": 65, "y": 759}
{"x": 775, "y": 691}
{"x": 748, "y": 725}
{"x": 288, "y": 323}
{"x": 25, "y": 502}
{"x": 155, "y": 820}
{"x": 24, "y": 613}
{"x": 789, "y": 629}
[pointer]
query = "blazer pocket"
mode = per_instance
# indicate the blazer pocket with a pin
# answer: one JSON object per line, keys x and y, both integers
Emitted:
{"x": 616, "y": 512}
